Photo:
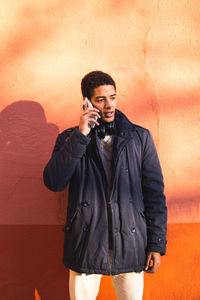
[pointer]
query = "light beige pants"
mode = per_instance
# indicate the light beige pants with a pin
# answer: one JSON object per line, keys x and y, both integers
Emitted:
{"x": 128, "y": 286}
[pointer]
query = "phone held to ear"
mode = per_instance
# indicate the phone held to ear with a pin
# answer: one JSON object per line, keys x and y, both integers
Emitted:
{"x": 89, "y": 104}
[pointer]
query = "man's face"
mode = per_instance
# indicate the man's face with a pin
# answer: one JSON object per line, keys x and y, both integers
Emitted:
{"x": 104, "y": 98}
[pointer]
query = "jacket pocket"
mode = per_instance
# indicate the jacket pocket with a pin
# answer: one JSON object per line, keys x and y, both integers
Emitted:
{"x": 138, "y": 224}
{"x": 82, "y": 246}
{"x": 138, "y": 210}
{"x": 76, "y": 234}
{"x": 70, "y": 221}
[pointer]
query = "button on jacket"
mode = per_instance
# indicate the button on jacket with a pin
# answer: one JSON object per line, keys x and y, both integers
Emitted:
{"x": 139, "y": 213}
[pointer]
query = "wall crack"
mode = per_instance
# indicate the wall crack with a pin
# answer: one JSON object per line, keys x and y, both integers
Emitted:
{"x": 154, "y": 100}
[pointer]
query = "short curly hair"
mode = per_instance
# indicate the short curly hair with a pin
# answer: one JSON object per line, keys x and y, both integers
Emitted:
{"x": 94, "y": 79}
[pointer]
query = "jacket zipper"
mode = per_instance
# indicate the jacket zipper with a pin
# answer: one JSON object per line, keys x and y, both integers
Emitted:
{"x": 111, "y": 192}
{"x": 107, "y": 202}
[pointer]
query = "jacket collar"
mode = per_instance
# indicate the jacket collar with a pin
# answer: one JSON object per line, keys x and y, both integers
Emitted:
{"x": 124, "y": 127}
{"x": 124, "y": 131}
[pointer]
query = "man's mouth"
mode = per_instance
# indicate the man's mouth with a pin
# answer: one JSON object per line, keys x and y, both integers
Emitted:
{"x": 108, "y": 114}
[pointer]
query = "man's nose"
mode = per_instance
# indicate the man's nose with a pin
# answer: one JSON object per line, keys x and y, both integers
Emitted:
{"x": 108, "y": 103}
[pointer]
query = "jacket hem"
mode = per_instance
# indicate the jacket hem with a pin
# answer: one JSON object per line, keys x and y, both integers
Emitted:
{"x": 136, "y": 269}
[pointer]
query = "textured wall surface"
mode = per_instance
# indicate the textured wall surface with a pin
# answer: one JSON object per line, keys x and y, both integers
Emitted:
{"x": 151, "y": 49}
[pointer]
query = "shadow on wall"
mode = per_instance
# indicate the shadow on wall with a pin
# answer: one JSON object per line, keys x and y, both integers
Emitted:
{"x": 24, "y": 129}
{"x": 31, "y": 255}
{"x": 26, "y": 143}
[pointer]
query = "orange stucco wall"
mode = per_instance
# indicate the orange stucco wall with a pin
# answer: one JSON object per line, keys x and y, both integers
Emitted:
{"x": 151, "y": 49}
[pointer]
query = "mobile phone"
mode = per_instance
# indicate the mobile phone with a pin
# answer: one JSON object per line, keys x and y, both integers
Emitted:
{"x": 89, "y": 104}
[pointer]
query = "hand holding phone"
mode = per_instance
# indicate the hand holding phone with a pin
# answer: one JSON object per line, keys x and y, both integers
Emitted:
{"x": 89, "y": 117}
{"x": 89, "y": 104}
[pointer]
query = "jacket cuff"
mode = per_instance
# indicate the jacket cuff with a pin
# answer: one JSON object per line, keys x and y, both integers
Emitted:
{"x": 157, "y": 244}
{"x": 77, "y": 142}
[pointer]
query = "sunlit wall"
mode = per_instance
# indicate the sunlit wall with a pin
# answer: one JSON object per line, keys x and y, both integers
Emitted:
{"x": 151, "y": 49}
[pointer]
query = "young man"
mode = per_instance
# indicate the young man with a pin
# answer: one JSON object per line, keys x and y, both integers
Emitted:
{"x": 116, "y": 215}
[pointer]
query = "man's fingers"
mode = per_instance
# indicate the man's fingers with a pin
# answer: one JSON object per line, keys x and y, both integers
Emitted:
{"x": 92, "y": 109}
{"x": 92, "y": 120}
{"x": 91, "y": 113}
{"x": 153, "y": 268}
{"x": 152, "y": 263}
{"x": 85, "y": 104}
{"x": 148, "y": 262}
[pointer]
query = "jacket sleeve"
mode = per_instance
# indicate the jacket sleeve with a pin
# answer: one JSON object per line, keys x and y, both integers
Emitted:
{"x": 68, "y": 150}
{"x": 154, "y": 198}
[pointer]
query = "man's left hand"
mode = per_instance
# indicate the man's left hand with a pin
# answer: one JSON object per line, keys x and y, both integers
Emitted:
{"x": 152, "y": 262}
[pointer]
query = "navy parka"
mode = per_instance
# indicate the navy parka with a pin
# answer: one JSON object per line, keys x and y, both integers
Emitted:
{"x": 139, "y": 213}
